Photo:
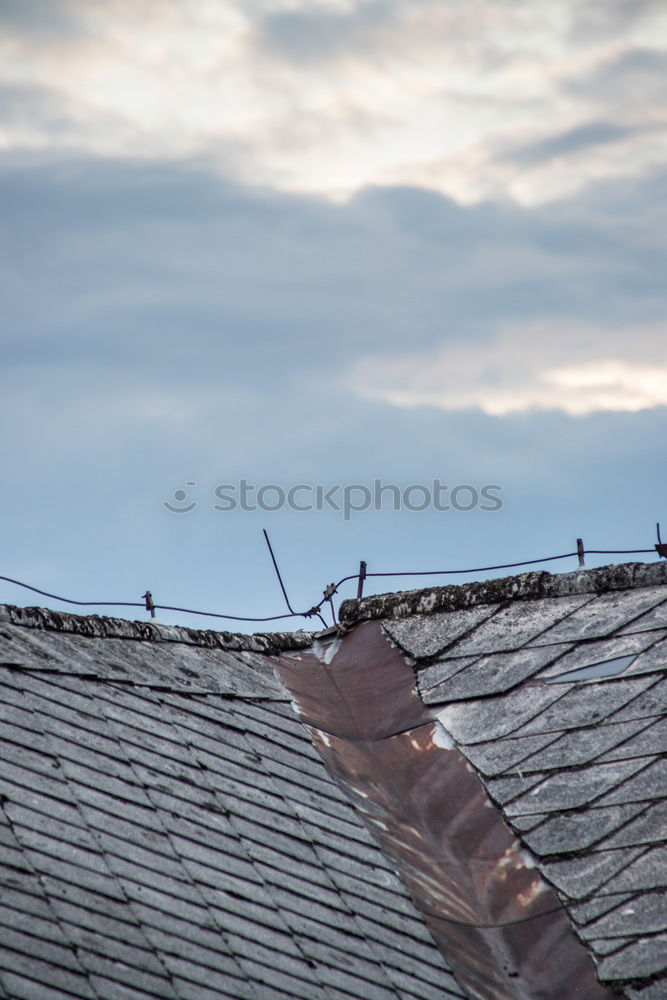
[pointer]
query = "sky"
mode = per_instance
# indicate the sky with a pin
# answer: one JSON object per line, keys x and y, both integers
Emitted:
{"x": 399, "y": 260}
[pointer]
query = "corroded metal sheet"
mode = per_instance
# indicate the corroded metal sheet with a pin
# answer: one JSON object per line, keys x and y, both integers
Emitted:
{"x": 365, "y": 692}
{"x": 499, "y": 924}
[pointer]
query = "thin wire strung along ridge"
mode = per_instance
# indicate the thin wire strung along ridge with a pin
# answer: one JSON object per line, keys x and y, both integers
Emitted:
{"x": 315, "y": 609}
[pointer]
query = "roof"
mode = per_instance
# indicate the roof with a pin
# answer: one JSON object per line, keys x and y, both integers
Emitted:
{"x": 197, "y": 814}
{"x": 169, "y": 831}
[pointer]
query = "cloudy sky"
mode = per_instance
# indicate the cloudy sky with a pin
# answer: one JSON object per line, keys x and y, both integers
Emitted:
{"x": 327, "y": 242}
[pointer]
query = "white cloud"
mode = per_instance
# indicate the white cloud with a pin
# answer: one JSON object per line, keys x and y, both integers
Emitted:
{"x": 331, "y": 96}
{"x": 535, "y": 368}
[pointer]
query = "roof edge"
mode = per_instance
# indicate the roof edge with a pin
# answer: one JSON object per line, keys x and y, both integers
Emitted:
{"x": 523, "y": 587}
{"x": 98, "y": 626}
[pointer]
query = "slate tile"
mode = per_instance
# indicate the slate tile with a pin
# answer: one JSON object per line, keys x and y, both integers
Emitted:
{"x": 390, "y": 895}
{"x": 225, "y": 982}
{"x": 267, "y": 750}
{"x": 25, "y": 898}
{"x": 98, "y": 881}
{"x": 650, "y": 738}
{"x": 234, "y": 989}
{"x": 411, "y": 925}
{"x": 222, "y": 756}
{"x": 649, "y": 871}
{"x": 16, "y": 760}
{"x": 203, "y": 949}
{"x": 604, "y": 614}
{"x": 337, "y": 979}
{"x": 290, "y": 964}
{"x": 581, "y": 746}
{"x": 190, "y": 839}
{"x": 137, "y": 717}
{"x": 569, "y": 832}
{"x": 123, "y": 784}
{"x": 104, "y": 811}
{"x": 118, "y": 971}
{"x": 259, "y": 814}
{"x": 431, "y": 680}
{"x": 252, "y": 792}
{"x": 21, "y": 718}
{"x": 37, "y": 932}
{"x": 416, "y": 969}
{"x": 640, "y": 914}
{"x": 656, "y": 618}
{"x": 75, "y": 903}
{"x": 111, "y": 989}
{"x": 97, "y": 742}
{"x": 503, "y": 790}
{"x": 499, "y": 756}
{"x": 380, "y": 874}
{"x": 580, "y": 876}
{"x": 585, "y": 913}
{"x": 648, "y": 828}
{"x": 494, "y": 673}
{"x": 43, "y": 948}
{"x": 28, "y": 977}
{"x": 585, "y": 654}
{"x": 362, "y": 963}
{"x": 653, "y": 991}
{"x": 641, "y": 958}
{"x": 518, "y": 623}
{"x": 273, "y": 718}
{"x": 606, "y": 946}
{"x": 300, "y": 988}
{"x": 235, "y": 913}
{"x": 586, "y": 703}
{"x": 98, "y": 932}
{"x": 324, "y": 795}
{"x": 527, "y": 822}
{"x": 45, "y": 805}
{"x": 307, "y": 880}
{"x": 172, "y": 903}
{"x": 257, "y": 842}
{"x": 427, "y": 635}
{"x": 650, "y": 703}
{"x": 208, "y": 871}
{"x": 493, "y": 718}
{"x": 114, "y": 828}
{"x": 645, "y": 786}
{"x": 49, "y": 826}
{"x": 569, "y": 789}
{"x": 652, "y": 659}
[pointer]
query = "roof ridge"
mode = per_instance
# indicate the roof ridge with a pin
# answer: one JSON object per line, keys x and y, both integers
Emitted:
{"x": 524, "y": 586}
{"x": 99, "y": 626}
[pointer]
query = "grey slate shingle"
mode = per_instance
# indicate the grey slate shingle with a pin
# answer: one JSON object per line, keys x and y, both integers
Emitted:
{"x": 544, "y": 749}
{"x": 188, "y": 844}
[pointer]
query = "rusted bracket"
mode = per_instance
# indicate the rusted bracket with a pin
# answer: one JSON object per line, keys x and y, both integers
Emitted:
{"x": 362, "y": 577}
{"x": 661, "y": 547}
{"x": 148, "y": 598}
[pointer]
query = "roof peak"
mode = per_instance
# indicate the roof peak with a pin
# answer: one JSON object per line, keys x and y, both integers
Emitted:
{"x": 102, "y": 627}
{"x": 452, "y": 597}
{"x": 523, "y": 587}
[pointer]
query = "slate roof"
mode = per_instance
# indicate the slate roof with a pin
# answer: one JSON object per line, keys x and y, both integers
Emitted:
{"x": 576, "y": 766}
{"x": 168, "y": 830}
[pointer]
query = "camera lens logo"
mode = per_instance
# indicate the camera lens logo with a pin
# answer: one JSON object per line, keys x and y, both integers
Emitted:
{"x": 181, "y": 496}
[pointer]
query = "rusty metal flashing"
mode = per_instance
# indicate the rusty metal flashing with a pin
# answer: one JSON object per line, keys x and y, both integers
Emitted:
{"x": 524, "y": 586}
{"x": 497, "y": 921}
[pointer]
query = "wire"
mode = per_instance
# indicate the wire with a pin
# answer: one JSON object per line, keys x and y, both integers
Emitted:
{"x": 315, "y": 610}
{"x": 69, "y": 600}
{"x": 275, "y": 566}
